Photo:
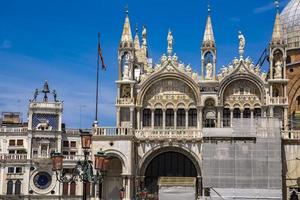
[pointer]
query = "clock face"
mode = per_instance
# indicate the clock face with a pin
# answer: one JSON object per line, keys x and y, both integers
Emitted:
{"x": 42, "y": 180}
{"x": 125, "y": 91}
{"x": 45, "y": 122}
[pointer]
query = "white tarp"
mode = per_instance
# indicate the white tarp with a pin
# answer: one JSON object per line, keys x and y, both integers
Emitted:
{"x": 176, "y": 193}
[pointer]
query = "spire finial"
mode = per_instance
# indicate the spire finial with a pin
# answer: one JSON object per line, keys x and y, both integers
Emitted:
{"x": 126, "y": 9}
{"x": 276, "y": 2}
{"x": 208, "y": 7}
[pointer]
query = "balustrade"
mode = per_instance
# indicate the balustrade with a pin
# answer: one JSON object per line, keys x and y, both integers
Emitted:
{"x": 13, "y": 130}
{"x": 291, "y": 134}
{"x": 278, "y": 100}
{"x": 112, "y": 131}
{"x": 13, "y": 156}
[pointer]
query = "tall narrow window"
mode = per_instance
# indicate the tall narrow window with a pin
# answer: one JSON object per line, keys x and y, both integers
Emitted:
{"x": 247, "y": 113}
{"x": 158, "y": 117}
{"x": 192, "y": 117}
{"x": 180, "y": 118}
{"x": 226, "y": 117}
{"x": 146, "y": 117}
{"x": 73, "y": 188}
{"x": 65, "y": 189}
{"x": 10, "y": 186}
{"x": 18, "y": 187}
{"x": 169, "y": 117}
{"x": 236, "y": 113}
{"x": 257, "y": 112}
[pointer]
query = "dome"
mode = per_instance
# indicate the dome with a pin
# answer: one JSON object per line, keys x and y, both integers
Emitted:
{"x": 290, "y": 19}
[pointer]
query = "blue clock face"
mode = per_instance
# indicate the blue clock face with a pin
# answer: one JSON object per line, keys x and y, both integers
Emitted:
{"x": 45, "y": 122}
{"x": 42, "y": 180}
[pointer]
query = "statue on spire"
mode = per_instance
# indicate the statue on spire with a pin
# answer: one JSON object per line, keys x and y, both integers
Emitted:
{"x": 242, "y": 43}
{"x": 144, "y": 36}
{"x": 170, "y": 42}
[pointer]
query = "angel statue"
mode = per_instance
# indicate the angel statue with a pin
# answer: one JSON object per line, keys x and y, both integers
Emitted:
{"x": 242, "y": 43}
{"x": 278, "y": 69}
{"x": 209, "y": 70}
{"x": 144, "y": 36}
{"x": 170, "y": 42}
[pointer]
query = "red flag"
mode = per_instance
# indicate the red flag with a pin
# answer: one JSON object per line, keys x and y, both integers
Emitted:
{"x": 100, "y": 53}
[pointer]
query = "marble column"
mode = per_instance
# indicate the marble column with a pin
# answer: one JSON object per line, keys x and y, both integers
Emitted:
{"x": 175, "y": 119}
{"x": 231, "y": 116}
{"x": 118, "y": 117}
{"x": 285, "y": 119}
{"x": 252, "y": 113}
{"x": 271, "y": 111}
{"x": 199, "y": 115}
{"x": 152, "y": 118}
{"x": 186, "y": 118}
{"x": 138, "y": 118}
{"x": 164, "y": 118}
{"x": 131, "y": 117}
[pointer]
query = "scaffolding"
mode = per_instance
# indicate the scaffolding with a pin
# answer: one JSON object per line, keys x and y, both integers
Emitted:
{"x": 243, "y": 162}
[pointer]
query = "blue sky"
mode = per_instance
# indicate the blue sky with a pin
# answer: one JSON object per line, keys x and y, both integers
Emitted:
{"x": 57, "y": 41}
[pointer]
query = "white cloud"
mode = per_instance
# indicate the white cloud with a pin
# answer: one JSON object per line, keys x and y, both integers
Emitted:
{"x": 6, "y": 44}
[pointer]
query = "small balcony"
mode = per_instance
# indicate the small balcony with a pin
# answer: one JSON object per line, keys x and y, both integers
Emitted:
{"x": 125, "y": 101}
{"x": 13, "y": 156}
{"x": 112, "y": 131}
{"x": 291, "y": 135}
{"x": 278, "y": 100}
{"x": 13, "y": 130}
{"x": 162, "y": 134}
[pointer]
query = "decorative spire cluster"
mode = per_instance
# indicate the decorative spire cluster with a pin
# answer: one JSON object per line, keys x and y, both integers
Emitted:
{"x": 208, "y": 39}
{"x": 277, "y": 36}
{"x": 126, "y": 34}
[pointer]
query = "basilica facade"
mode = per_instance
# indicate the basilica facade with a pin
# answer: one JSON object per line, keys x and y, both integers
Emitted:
{"x": 221, "y": 134}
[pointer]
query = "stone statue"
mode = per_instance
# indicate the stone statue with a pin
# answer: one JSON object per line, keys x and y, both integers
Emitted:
{"x": 209, "y": 71}
{"x": 170, "y": 42}
{"x": 144, "y": 36}
{"x": 242, "y": 43}
{"x": 278, "y": 69}
{"x": 36, "y": 93}
{"x": 126, "y": 67}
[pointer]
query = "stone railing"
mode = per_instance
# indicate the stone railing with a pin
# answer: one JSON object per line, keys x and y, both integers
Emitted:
{"x": 168, "y": 134}
{"x": 125, "y": 101}
{"x": 291, "y": 134}
{"x": 50, "y": 105}
{"x": 112, "y": 131}
{"x": 7, "y": 156}
{"x": 75, "y": 157}
{"x": 13, "y": 130}
{"x": 278, "y": 100}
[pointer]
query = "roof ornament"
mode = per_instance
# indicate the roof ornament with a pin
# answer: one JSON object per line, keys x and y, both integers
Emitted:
{"x": 242, "y": 43}
{"x": 45, "y": 91}
{"x": 276, "y": 2}
{"x": 170, "y": 42}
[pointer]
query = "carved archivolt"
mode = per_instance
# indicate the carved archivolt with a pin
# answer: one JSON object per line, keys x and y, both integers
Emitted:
{"x": 242, "y": 93}
{"x": 168, "y": 93}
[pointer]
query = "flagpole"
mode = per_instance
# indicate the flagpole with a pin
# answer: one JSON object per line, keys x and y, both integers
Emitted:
{"x": 97, "y": 84}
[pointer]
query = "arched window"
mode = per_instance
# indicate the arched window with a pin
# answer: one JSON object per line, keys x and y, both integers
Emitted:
{"x": 158, "y": 117}
{"x": 18, "y": 187}
{"x": 192, "y": 117}
{"x": 247, "y": 113}
{"x": 226, "y": 117}
{"x": 257, "y": 112}
{"x": 236, "y": 113}
{"x": 169, "y": 117}
{"x": 10, "y": 186}
{"x": 73, "y": 188}
{"x": 146, "y": 117}
{"x": 288, "y": 60}
{"x": 180, "y": 117}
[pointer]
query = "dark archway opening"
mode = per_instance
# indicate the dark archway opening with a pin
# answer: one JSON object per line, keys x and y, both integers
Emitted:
{"x": 168, "y": 164}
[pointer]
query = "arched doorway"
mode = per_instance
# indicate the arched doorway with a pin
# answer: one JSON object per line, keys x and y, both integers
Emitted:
{"x": 168, "y": 164}
{"x": 113, "y": 179}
